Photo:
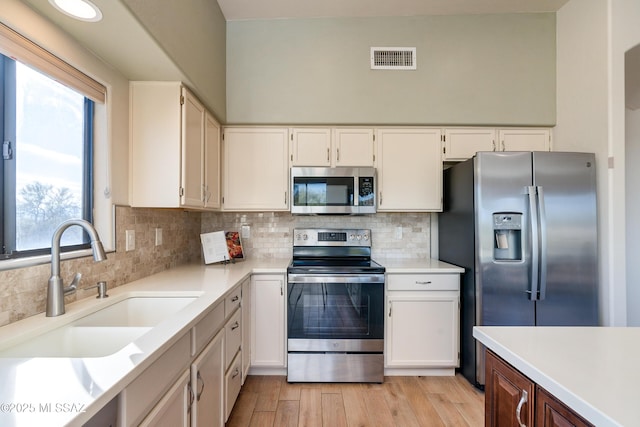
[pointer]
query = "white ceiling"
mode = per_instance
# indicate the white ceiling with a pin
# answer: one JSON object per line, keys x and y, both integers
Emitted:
{"x": 275, "y": 9}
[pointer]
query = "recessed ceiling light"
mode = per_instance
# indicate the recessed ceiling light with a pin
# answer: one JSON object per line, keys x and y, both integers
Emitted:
{"x": 83, "y": 10}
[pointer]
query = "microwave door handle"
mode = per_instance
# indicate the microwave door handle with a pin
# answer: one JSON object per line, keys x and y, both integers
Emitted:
{"x": 533, "y": 222}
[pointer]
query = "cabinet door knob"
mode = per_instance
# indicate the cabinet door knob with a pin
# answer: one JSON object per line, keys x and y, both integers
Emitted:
{"x": 235, "y": 298}
{"x": 236, "y": 325}
{"x": 523, "y": 400}
{"x": 423, "y": 283}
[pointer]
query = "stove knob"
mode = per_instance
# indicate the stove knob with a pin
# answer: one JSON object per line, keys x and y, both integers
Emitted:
{"x": 359, "y": 236}
{"x": 352, "y": 236}
{"x": 304, "y": 236}
{"x": 366, "y": 236}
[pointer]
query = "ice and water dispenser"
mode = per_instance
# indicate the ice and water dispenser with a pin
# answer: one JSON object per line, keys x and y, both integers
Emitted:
{"x": 507, "y": 232}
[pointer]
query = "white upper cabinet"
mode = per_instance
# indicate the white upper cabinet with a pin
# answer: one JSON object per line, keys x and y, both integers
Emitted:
{"x": 192, "y": 150}
{"x": 409, "y": 167}
{"x": 529, "y": 139}
{"x": 211, "y": 162}
{"x": 256, "y": 170}
{"x": 463, "y": 143}
{"x": 174, "y": 156}
{"x": 354, "y": 147}
{"x": 311, "y": 147}
{"x": 324, "y": 147}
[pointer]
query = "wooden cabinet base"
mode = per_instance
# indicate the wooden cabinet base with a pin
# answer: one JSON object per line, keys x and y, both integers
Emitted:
{"x": 512, "y": 399}
{"x": 550, "y": 412}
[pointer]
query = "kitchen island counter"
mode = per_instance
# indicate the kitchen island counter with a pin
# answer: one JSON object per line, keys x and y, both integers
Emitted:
{"x": 68, "y": 391}
{"x": 592, "y": 370}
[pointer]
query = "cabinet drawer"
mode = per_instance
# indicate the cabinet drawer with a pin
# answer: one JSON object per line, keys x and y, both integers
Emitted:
{"x": 232, "y": 302}
{"x": 137, "y": 399}
{"x": 232, "y": 384}
{"x": 232, "y": 337}
{"x": 423, "y": 282}
{"x": 206, "y": 328}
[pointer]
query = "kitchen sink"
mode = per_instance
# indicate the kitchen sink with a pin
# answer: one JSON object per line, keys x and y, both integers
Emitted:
{"x": 136, "y": 312}
{"x": 76, "y": 341}
{"x": 102, "y": 332}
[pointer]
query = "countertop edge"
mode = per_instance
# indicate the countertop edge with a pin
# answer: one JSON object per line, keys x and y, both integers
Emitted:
{"x": 538, "y": 376}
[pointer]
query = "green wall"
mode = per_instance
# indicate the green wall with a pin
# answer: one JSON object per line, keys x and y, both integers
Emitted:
{"x": 194, "y": 37}
{"x": 472, "y": 70}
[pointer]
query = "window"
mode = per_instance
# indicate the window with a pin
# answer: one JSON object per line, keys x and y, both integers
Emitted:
{"x": 46, "y": 123}
{"x": 46, "y": 160}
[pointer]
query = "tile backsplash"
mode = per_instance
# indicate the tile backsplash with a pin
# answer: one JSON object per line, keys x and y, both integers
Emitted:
{"x": 23, "y": 290}
{"x": 394, "y": 235}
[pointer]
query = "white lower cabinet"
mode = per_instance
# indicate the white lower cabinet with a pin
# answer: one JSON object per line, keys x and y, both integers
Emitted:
{"x": 144, "y": 393}
{"x": 196, "y": 382}
{"x": 232, "y": 361}
{"x": 246, "y": 328}
{"x": 207, "y": 384}
{"x": 232, "y": 384}
{"x": 173, "y": 408}
{"x": 422, "y": 324}
{"x": 268, "y": 334}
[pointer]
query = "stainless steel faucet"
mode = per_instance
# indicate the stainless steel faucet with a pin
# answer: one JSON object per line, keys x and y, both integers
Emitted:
{"x": 56, "y": 289}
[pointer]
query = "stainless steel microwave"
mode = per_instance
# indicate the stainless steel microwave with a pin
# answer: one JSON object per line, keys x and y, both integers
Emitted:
{"x": 333, "y": 191}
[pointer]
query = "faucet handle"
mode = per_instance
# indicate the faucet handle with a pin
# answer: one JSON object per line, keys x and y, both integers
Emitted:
{"x": 102, "y": 289}
{"x": 74, "y": 284}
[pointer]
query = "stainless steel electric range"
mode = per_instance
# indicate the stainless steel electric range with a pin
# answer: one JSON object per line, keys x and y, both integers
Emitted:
{"x": 335, "y": 308}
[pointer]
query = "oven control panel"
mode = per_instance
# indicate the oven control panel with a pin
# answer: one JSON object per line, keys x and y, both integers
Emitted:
{"x": 331, "y": 237}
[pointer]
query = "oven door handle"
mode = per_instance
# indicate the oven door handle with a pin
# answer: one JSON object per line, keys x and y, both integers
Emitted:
{"x": 336, "y": 278}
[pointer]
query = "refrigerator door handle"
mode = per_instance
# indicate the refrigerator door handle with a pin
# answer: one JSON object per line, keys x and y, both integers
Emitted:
{"x": 543, "y": 243}
{"x": 533, "y": 215}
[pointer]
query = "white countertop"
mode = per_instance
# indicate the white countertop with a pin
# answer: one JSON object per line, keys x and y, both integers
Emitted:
{"x": 417, "y": 266}
{"x": 593, "y": 370}
{"x": 76, "y": 388}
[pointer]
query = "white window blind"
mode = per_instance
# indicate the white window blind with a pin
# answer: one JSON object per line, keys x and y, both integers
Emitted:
{"x": 15, "y": 45}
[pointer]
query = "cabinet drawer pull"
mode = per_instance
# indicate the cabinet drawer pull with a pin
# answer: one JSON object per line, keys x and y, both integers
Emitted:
{"x": 235, "y": 298}
{"x": 523, "y": 400}
{"x": 418, "y": 282}
{"x": 236, "y": 372}
{"x": 235, "y": 326}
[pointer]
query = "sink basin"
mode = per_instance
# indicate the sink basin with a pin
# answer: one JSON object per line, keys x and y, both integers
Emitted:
{"x": 103, "y": 332}
{"x": 76, "y": 341}
{"x": 136, "y": 311}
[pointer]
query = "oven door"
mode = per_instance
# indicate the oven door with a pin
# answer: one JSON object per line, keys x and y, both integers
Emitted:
{"x": 342, "y": 312}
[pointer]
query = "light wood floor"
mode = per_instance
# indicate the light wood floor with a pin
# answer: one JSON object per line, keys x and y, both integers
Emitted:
{"x": 399, "y": 401}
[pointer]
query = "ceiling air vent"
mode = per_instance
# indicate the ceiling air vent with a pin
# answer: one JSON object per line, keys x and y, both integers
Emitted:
{"x": 393, "y": 58}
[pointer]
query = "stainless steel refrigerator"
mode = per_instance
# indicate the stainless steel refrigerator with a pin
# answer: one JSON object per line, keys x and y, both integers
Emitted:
{"x": 524, "y": 227}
